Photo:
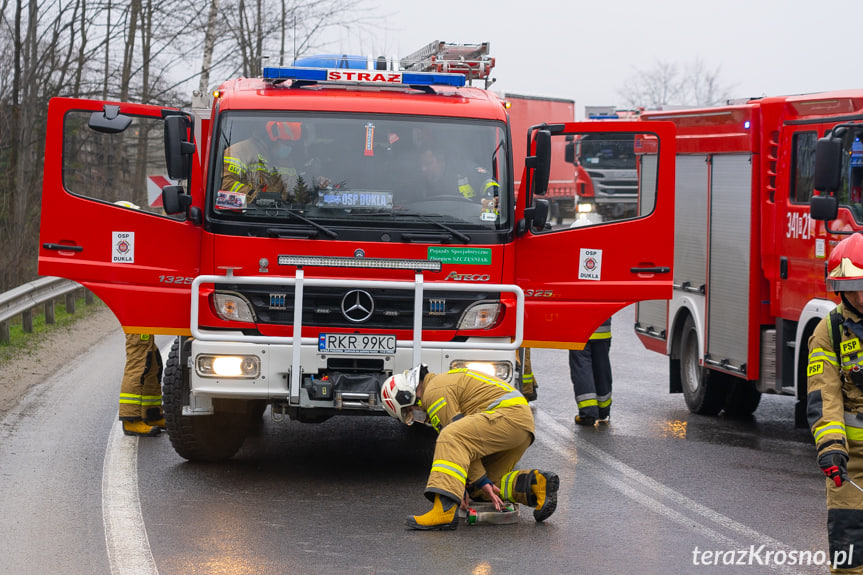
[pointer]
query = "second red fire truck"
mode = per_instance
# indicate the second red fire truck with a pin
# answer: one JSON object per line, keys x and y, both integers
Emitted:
{"x": 332, "y": 224}
{"x": 749, "y": 260}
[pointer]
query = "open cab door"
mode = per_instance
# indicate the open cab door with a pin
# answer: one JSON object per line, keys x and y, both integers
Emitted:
{"x": 577, "y": 274}
{"x": 103, "y": 223}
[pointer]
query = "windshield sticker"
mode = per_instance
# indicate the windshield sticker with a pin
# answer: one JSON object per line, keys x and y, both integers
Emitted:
{"x": 474, "y": 256}
{"x": 363, "y": 200}
{"x": 123, "y": 247}
{"x": 590, "y": 264}
{"x": 370, "y": 140}
{"x": 230, "y": 200}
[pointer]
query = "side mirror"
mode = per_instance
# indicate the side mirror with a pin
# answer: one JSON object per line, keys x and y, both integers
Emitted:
{"x": 536, "y": 216}
{"x": 178, "y": 146}
{"x": 823, "y": 208}
{"x": 109, "y": 120}
{"x": 540, "y": 161}
{"x": 174, "y": 200}
{"x": 569, "y": 153}
{"x": 828, "y": 165}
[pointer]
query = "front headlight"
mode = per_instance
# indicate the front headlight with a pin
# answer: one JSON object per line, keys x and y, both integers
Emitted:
{"x": 585, "y": 208}
{"x": 232, "y": 307}
{"x": 480, "y": 316}
{"x": 240, "y": 366}
{"x": 499, "y": 369}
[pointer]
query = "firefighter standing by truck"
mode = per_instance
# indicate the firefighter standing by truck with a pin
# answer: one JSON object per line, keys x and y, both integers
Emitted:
{"x": 484, "y": 426}
{"x": 835, "y": 404}
{"x": 141, "y": 390}
{"x": 590, "y": 372}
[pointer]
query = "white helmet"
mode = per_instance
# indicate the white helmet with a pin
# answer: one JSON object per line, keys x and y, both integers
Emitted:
{"x": 400, "y": 391}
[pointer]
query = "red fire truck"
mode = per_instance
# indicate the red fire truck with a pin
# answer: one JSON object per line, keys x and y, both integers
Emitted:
{"x": 527, "y": 111}
{"x": 606, "y": 182}
{"x": 749, "y": 259}
{"x": 356, "y": 259}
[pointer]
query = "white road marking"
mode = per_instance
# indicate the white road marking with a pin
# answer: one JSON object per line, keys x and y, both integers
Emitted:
{"x": 125, "y": 532}
{"x": 560, "y": 440}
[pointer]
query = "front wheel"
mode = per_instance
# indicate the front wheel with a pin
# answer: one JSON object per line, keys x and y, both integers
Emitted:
{"x": 201, "y": 437}
{"x": 703, "y": 389}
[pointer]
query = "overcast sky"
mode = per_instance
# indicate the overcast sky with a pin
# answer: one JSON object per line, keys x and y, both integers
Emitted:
{"x": 585, "y": 50}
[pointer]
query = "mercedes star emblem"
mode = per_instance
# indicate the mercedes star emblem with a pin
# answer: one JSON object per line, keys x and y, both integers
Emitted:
{"x": 358, "y": 305}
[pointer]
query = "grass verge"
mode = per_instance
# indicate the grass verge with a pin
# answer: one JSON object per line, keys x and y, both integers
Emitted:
{"x": 23, "y": 343}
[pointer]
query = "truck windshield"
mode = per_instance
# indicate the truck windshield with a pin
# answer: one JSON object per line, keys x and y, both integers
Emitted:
{"x": 360, "y": 170}
{"x": 608, "y": 153}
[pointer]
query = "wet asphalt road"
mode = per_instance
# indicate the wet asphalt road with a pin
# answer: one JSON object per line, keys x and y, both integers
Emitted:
{"x": 659, "y": 490}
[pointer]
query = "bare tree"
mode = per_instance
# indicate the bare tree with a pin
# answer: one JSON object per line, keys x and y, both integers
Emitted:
{"x": 670, "y": 84}
{"x": 128, "y": 50}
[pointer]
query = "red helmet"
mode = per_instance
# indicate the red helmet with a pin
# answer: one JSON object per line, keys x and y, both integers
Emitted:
{"x": 288, "y": 131}
{"x": 845, "y": 266}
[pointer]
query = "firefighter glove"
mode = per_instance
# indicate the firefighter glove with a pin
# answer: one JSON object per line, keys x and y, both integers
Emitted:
{"x": 834, "y": 464}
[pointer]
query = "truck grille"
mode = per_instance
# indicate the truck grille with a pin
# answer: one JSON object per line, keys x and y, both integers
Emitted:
{"x": 366, "y": 308}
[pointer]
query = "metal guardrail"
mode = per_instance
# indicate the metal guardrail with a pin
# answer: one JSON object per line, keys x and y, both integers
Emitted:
{"x": 21, "y": 301}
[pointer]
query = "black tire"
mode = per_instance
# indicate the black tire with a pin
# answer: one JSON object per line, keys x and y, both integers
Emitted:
{"x": 703, "y": 389}
{"x": 743, "y": 399}
{"x": 200, "y": 437}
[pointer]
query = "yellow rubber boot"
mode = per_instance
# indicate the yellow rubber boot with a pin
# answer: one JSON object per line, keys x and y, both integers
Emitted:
{"x": 437, "y": 519}
{"x": 140, "y": 429}
{"x": 160, "y": 423}
{"x": 534, "y": 488}
{"x": 155, "y": 417}
{"x": 545, "y": 491}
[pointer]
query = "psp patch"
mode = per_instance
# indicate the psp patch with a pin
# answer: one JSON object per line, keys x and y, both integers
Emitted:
{"x": 850, "y": 346}
{"x": 815, "y": 369}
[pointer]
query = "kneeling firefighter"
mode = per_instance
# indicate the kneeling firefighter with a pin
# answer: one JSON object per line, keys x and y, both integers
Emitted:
{"x": 835, "y": 405}
{"x": 484, "y": 426}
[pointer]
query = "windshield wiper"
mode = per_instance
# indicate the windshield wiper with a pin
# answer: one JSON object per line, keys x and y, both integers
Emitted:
{"x": 304, "y": 219}
{"x": 460, "y": 235}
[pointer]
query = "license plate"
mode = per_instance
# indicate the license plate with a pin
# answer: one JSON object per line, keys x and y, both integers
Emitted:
{"x": 357, "y": 343}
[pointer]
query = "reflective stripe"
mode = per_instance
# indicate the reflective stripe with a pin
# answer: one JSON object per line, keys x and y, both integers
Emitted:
{"x": 487, "y": 379}
{"x": 586, "y": 400}
{"x": 151, "y": 400}
{"x": 512, "y": 398}
{"x": 235, "y": 162}
{"x": 507, "y": 485}
{"x": 829, "y": 427}
{"x": 819, "y": 354}
{"x": 436, "y": 406}
{"x": 602, "y": 332}
{"x": 853, "y": 427}
{"x": 135, "y": 399}
{"x": 604, "y": 401}
{"x": 450, "y": 468}
{"x": 237, "y": 186}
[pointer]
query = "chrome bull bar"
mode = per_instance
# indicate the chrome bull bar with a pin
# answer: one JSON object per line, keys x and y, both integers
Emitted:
{"x": 299, "y": 281}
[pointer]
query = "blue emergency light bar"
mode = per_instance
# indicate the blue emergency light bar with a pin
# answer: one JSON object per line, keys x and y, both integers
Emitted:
{"x": 359, "y": 76}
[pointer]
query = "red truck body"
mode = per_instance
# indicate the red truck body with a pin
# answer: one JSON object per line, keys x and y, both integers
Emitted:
{"x": 749, "y": 259}
{"x": 306, "y": 300}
